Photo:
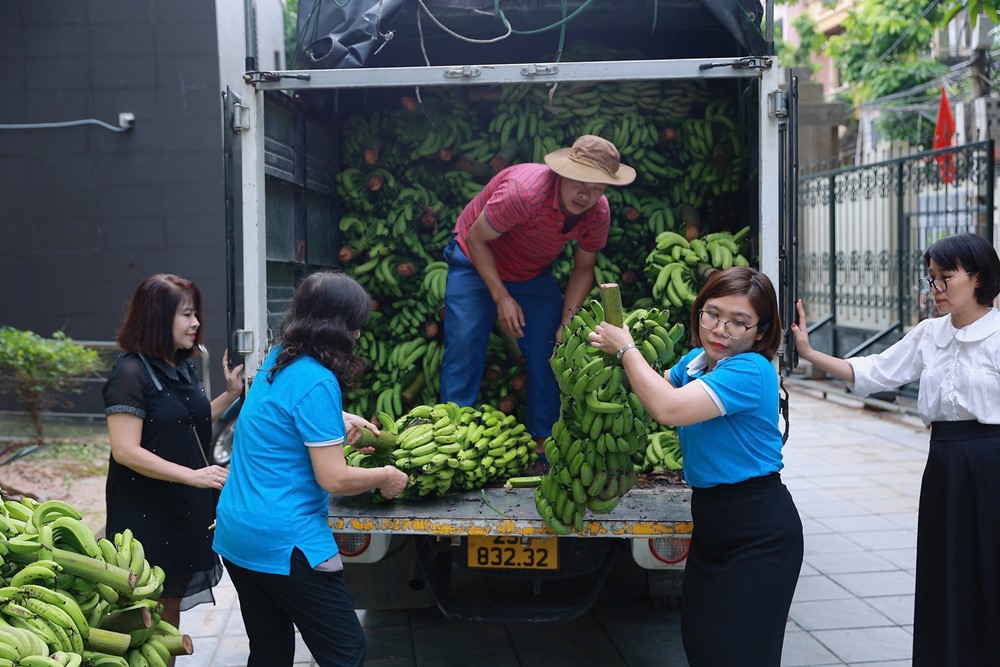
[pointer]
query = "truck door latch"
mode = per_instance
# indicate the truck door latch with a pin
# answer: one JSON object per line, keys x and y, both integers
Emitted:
{"x": 465, "y": 71}
{"x": 539, "y": 70}
{"x": 750, "y": 62}
{"x": 260, "y": 77}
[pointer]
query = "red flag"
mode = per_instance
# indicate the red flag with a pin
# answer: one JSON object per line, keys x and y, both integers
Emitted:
{"x": 944, "y": 132}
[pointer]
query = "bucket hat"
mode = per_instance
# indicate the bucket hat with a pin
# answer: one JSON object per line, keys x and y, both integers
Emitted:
{"x": 592, "y": 159}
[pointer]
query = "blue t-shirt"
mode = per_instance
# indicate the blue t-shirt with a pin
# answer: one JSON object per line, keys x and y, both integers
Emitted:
{"x": 745, "y": 441}
{"x": 271, "y": 502}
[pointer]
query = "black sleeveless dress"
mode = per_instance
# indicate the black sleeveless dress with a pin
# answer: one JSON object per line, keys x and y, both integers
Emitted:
{"x": 171, "y": 520}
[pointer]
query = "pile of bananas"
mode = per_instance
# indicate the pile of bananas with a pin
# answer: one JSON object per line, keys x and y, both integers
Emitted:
{"x": 601, "y": 425}
{"x": 69, "y": 599}
{"x": 407, "y": 173}
{"x": 677, "y": 267}
{"x": 663, "y": 452}
{"x": 446, "y": 448}
{"x": 715, "y": 155}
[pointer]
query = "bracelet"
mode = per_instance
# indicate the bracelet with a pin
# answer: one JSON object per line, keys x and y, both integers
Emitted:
{"x": 630, "y": 346}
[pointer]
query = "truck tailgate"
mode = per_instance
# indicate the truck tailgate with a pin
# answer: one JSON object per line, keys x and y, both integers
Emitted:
{"x": 650, "y": 509}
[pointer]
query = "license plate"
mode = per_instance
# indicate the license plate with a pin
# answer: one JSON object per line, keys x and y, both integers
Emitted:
{"x": 510, "y": 553}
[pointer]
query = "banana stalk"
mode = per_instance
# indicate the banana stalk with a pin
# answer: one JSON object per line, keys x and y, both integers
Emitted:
{"x": 86, "y": 567}
{"x": 611, "y": 299}
{"x": 506, "y": 156}
{"x": 128, "y": 620}
{"x": 105, "y": 641}
{"x": 412, "y": 391}
{"x": 177, "y": 644}
{"x": 384, "y": 443}
{"x": 524, "y": 482}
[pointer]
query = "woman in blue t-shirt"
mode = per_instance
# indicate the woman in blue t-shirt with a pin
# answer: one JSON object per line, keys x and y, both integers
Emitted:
{"x": 746, "y": 548}
{"x": 288, "y": 456}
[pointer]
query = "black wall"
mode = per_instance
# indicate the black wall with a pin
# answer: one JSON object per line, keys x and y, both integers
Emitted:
{"x": 87, "y": 213}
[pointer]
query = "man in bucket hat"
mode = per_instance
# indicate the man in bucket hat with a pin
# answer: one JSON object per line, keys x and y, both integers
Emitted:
{"x": 499, "y": 268}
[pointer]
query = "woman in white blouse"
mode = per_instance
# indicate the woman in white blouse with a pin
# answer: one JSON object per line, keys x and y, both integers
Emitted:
{"x": 956, "y": 358}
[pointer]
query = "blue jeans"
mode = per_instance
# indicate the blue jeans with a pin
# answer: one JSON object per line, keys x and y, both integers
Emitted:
{"x": 468, "y": 320}
{"x": 315, "y": 602}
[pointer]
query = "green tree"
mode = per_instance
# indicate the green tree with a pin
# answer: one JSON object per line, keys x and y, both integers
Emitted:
{"x": 291, "y": 32}
{"x": 39, "y": 371}
{"x": 810, "y": 42}
{"x": 886, "y": 48}
{"x": 974, "y": 7}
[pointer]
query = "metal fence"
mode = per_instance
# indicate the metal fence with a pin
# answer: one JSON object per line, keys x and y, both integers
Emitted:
{"x": 863, "y": 232}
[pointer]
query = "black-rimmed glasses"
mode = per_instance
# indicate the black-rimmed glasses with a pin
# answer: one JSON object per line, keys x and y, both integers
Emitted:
{"x": 731, "y": 328}
{"x": 941, "y": 284}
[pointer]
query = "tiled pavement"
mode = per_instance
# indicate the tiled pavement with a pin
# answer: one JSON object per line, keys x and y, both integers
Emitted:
{"x": 854, "y": 474}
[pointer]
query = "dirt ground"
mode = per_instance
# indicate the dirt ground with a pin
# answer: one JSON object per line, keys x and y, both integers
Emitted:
{"x": 71, "y": 466}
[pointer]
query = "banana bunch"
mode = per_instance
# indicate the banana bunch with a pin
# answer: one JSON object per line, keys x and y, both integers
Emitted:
{"x": 352, "y": 188}
{"x": 440, "y": 138}
{"x": 360, "y": 131}
{"x": 677, "y": 99}
{"x": 411, "y": 205}
{"x": 715, "y": 152}
{"x": 434, "y": 281}
{"x": 601, "y": 425}
{"x": 656, "y": 337}
{"x": 571, "y": 101}
{"x": 655, "y": 168}
{"x": 477, "y": 151}
{"x": 670, "y": 268}
{"x": 515, "y": 122}
{"x": 663, "y": 452}
{"x": 443, "y": 447}
{"x": 675, "y": 266}
{"x": 659, "y": 216}
{"x": 64, "y": 594}
{"x": 461, "y": 184}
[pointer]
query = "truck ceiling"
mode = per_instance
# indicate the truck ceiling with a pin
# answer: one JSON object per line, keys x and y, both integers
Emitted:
{"x": 386, "y": 33}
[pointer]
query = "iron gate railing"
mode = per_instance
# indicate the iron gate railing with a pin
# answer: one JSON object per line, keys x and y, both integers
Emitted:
{"x": 863, "y": 232}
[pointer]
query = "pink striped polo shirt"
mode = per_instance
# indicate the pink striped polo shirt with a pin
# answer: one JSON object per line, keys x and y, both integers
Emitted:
{"x": 522, "y": 203}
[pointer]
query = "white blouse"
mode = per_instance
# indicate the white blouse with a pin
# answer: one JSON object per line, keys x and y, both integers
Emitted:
{"x": 958, "y": 369}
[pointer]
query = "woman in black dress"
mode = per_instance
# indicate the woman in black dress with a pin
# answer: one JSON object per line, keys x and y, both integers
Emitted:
{"x": 160, "y": 482}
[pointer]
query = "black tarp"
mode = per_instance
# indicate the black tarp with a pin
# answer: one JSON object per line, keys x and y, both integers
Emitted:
{"x": 332, "y": 36}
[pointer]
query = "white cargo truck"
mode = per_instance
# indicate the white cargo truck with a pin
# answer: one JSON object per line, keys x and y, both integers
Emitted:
{"x": 286, "y": 132}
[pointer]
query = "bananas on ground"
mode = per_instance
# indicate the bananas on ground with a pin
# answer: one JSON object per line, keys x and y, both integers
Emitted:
{"x": 69, "y": 599}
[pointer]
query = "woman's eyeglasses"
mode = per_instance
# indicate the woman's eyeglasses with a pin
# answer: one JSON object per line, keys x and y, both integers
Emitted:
{"x": 731, "y": 328}
{"x": 941, "y": 284}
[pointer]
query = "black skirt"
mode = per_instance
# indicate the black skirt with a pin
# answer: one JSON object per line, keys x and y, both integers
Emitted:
{"x": 746, "y": 553}
{"x": 956, "y": 615}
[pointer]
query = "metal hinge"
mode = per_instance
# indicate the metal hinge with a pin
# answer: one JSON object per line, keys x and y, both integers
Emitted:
{"x": 539, "y": 70}
{"x": 243, "y": 340}
{"x": 750, "y": 62}
{"x": 260, "y": 77}
{"x": 241, "y": 118}
{"x": 777, "y": 104}
{"x": 465, "y": 71}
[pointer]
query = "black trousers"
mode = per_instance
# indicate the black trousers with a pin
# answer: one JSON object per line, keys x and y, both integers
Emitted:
{"x": 317, "y": 603}
{"x": 741, "y": 572}
{"x": 956, "y": 609}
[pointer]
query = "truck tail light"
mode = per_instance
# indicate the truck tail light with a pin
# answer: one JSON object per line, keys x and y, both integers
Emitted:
{"x": 352, "y": 544}
{"x": 669, "y": 550}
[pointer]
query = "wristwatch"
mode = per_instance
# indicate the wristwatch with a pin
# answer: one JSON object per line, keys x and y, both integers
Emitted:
{"x": 630, "y": 346}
